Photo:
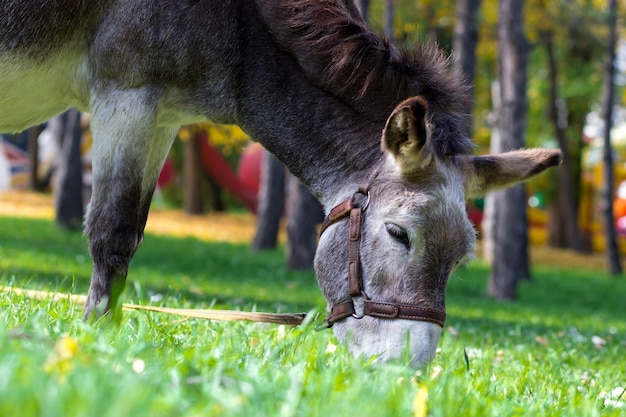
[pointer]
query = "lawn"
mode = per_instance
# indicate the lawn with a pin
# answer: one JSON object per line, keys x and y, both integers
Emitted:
{"x": 560, "y": 350}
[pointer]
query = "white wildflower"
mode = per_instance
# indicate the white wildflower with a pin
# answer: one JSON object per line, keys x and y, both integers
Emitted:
{"x": 474, "y": 353}
{"x": 281, "y": 332}
{"x": 138, "y": 366}
{"x": 616, "y": 398}
{"x": 598, "y": 341}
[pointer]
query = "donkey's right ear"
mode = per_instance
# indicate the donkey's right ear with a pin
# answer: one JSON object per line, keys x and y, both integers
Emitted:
{"x": 488, "y": 173}
{"x": 406, "y": 136}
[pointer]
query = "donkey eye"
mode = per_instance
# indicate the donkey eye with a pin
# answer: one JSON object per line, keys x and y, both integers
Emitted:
{"x": 398, "y": 234}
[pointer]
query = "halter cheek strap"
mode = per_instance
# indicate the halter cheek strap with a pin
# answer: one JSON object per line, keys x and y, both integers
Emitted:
{"x": 353, "y": 209}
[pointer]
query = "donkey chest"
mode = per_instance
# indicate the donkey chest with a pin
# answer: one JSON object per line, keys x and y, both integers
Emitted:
{"x": 31, "y": 93}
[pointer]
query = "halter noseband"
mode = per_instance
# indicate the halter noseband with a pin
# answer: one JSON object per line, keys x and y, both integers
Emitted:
{"x": 353, "y": 209}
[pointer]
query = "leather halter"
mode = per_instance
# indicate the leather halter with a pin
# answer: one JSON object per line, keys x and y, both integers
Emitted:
{"x": 354, "y": 208}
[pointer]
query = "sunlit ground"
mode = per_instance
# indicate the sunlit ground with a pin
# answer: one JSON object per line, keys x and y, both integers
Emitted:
{"x": 239, "y": 228}
{"x": 225, "y": 227}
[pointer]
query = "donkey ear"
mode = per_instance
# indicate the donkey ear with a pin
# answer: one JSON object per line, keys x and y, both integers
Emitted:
{"x": 491, "y": 172}
{"x": 406, "y": 136}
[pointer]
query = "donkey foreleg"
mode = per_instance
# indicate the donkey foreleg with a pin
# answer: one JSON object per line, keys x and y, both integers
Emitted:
{"x": 128, "y": 153}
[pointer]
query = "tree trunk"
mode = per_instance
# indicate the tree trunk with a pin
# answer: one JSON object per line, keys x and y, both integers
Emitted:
{"x": 563, "y": 216}
{"x": 430, "y": 17}
{"x": 510, "y": 247}
{"x": 192, "y": 175}
{"x": 388, "y": 18}
{"x": 303, "y": 215}
{"x": 608, "y": 93}
{"x": 69, "y": 176}
{"x": 32, "y": 135}
{"x": 270, "y": 203}
{"x": 488, "y": 222}
{"x": 465, "y": 41}
{"x": 363, "y": 6}
{"x": 217, "y": 203}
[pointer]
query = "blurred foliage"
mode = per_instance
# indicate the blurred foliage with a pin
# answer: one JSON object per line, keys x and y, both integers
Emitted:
{"x": 579, "y": 32}
{"x": 229, "y": 139}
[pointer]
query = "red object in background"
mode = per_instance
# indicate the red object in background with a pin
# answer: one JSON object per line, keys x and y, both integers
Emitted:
{"x": 619, "y": 211}
{"x": 475, "y": 215}
{"x": 249, "y": 169}
{"x": 167, "y": 173}
{"x": 218, "y": 168}
{"x": 619, "y": 208}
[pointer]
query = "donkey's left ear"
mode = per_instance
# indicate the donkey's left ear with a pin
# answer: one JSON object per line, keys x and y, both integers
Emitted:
{"x": 491, "y": 172}
{"x": 406, "y": 136}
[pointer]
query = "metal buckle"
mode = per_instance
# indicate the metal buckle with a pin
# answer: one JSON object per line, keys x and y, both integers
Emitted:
{"x": 365, "y": 297}
{"x": 367, "y": 200}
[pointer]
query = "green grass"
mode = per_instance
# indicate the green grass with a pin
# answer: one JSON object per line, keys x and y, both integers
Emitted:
{"x": 533, "y": 357}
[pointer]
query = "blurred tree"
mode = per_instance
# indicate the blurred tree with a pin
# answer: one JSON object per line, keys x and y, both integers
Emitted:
{"x": 509, "y": 223}
{"x": 608, "y": 94}
{"x": 565, "y": 61}
{"x": 363, "y": 6}
{"x": 270, "y": 202}
{"x": 33, "y": 151}
{"x": 465, "y": 40}
{"x": 389, "y": 15}
{"x": 69, "y": 176}
{"x": 563, "y": 229}
{"x": 192, "y": 174}
{"x": 216, "y": 200}
{"x": 304, "y": 213}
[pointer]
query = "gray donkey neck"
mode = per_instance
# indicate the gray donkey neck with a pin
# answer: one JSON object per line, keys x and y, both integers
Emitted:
{"x": 314, "y": 88}
{"x": 321, "y": 139}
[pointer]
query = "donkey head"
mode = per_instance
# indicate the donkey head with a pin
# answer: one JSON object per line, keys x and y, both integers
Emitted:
{"x": 414, "y": 233}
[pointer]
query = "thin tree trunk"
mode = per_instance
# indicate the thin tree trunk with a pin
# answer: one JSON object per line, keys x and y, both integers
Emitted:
{"x": 563, "y": 231}
{"x": 69, "y": 177}
{"x": 217, "y": 203}
{"x": 488, "y": 222}
{"x": 270, "y": 203}
{"x": 303, "y": 215}
{"x": 431, "y": 24}
{"x": 510, "y": 249}
{"x": 364, "y": 6}
{"x": 192, "y": 175}
{"x": 465, "y": 41}
{"x": 388, "y": 18}
{"x": 33, "y": 151}
{"x": 615, "y": 266}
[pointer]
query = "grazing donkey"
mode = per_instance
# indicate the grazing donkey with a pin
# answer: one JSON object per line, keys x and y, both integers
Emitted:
{"x": 316, "y": 87}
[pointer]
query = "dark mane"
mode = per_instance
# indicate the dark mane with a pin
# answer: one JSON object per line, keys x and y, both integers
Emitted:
{"x": 337, "y": 50}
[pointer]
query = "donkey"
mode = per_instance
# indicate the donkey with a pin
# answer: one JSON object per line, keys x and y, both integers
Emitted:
{"x": 311, "y": 82}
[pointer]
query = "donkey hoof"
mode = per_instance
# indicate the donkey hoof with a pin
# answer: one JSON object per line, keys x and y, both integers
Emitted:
{"x": 94, "y": 310}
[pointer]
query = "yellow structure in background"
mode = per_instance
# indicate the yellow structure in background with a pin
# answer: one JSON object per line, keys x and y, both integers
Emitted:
{"x": 592, "y": 183}
{"x": 537, "y": 226}
{"x": 228, "y": 138}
